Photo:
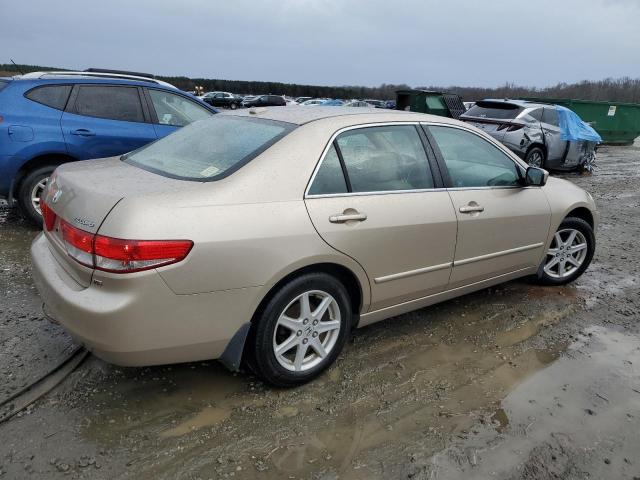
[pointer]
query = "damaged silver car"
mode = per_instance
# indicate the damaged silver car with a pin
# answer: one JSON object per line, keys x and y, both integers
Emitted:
{"x": 534, "y": 132}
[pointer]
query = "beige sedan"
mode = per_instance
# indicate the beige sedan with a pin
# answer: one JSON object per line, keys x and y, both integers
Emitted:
{"x": 266, "y": 236}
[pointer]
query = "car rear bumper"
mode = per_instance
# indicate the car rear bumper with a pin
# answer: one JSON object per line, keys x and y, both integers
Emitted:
{"x": 136, "y": 320}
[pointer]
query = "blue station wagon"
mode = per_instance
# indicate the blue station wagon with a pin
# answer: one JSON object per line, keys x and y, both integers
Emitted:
{"x": 50, "y": 118}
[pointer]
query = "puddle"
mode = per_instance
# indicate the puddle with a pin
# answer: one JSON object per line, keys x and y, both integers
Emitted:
{"x": 580, "y": 414}
{"x": 206, "y": 418}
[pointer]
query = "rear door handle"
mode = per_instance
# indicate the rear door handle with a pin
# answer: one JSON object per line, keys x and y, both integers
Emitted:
{"x": 83, "y": 132}
{"x": 471, "y": 209}
{"x": 343, "y": 218}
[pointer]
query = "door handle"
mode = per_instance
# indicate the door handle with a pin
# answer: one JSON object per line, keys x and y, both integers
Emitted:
{"x": 83, "y": 132}
{"x": 471, "y": 209}
{"x": 347, "y": 217}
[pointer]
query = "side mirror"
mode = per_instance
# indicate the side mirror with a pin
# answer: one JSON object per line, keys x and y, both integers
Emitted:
{"x": 536, "y": 177}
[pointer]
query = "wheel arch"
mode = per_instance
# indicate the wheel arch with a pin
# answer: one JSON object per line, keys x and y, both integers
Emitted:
{"x": 583, "y": 213}
{"x": 541, "y": 146}
{"x": 48, "y": 159}
{"x": 344, "y": 274}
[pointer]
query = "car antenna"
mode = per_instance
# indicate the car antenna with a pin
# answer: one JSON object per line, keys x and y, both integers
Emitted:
{"x": 17, "y": 67}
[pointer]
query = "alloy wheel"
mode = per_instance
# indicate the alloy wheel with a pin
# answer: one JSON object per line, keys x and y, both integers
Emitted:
{"x": 36, "y": 194}
{"x": 567, "y": 253}
{"x": 535, "y": 159}
{"x": 307, "y": 331}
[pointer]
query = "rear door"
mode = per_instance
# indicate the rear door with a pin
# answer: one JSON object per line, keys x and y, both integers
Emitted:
{"x": 375, "y": 198}
{"x": 104, "y": 121}
{"x": 170, "y": 111}
{"x": 502, "y": 225}
{"x": 551, "y": 129}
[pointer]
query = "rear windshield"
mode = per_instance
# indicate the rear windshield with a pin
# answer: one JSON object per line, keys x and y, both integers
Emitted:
{"x": 497, "y": 110}
{"x": 209, "y": 149}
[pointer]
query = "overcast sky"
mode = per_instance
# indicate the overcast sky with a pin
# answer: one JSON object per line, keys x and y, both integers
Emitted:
{"x": 333, "y": 42}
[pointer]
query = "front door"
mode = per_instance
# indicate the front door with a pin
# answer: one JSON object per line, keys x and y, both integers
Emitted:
{"x": 502, "y": 226}
{"x": 104, "y": 121}
{"x": 385, "y": 212}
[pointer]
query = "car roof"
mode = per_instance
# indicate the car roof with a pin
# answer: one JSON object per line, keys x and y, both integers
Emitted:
{"x": 97, "y": 77}
{"x": 299, "y": 115}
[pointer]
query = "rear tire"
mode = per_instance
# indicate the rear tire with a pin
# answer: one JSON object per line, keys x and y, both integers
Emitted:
{"x": 569, "y": 254}
{"x": 290, "y": 344}
{"x": 30, "y": 191}
{"x": 535, "y": 157}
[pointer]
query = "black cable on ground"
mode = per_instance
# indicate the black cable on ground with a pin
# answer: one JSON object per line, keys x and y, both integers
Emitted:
{"x": 43, "y": 385}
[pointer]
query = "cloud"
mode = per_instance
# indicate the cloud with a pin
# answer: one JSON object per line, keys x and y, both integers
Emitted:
{"x": 367, "y": 42}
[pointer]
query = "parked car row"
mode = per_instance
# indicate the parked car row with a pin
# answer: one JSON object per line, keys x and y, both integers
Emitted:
{"x": 233, "y": 101}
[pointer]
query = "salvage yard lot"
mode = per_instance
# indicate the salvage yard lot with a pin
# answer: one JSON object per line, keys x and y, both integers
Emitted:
{"x": 516, "y": 381}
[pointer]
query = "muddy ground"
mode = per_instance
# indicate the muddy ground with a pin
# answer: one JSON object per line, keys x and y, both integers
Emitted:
{"x": 517, "y": 381}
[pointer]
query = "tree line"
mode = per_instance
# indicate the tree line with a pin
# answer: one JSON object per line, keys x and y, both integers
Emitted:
{"x": 610, "y": 89}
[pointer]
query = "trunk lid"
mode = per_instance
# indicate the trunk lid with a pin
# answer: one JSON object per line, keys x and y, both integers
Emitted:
{"x": 83, "y": 193}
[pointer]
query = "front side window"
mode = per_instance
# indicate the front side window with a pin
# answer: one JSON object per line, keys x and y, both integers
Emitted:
{"x": 176, "y": 110}
{"x": 110, "y": 102}
{"x": 388, "y": 158}
{"x": 210, "y": 149}
{"x": 473, "y": 161}
{"x": 54, "y": 96}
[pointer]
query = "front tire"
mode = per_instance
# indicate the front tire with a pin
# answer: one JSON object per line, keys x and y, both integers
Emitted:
{"x": 233, "y": 106}
{"x": 30, "y": 193}
{"x": 535, "y": 157}
{"x": 569, "y": 254}
{"x": 301, "y": 330}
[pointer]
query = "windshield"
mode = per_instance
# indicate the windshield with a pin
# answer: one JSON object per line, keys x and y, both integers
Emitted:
{"x": 3, "y": 83}
{"x": 209, "y": 149}
{"x": 498, "y": 110}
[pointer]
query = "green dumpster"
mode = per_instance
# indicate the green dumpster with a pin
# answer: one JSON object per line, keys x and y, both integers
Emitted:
{"x": 617, "y": 123}
{"x": 429, "y": 101}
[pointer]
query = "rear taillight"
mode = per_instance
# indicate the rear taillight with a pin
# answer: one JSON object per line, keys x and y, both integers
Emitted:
{"x": 48, "y": 216}
{"x": 121, "y": 256}
{"x": 78, "y": 243}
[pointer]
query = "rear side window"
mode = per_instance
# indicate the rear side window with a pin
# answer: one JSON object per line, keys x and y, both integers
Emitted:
{"x": 176, "y": 110}
{"x": 388, "y": 158}
{"x": 472, "y": 161}
{"x": 210, "y": 149}
{"x": 497, "y": 110}
{"x": 54, "y": 96}
{"x": 110, "y": 102}
{"x": 329, "y": 178}
{"x": 537, "y": 114}
{"x": 550, "y": 116}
